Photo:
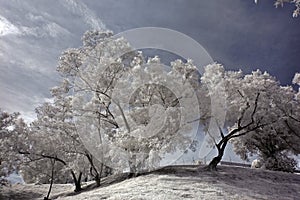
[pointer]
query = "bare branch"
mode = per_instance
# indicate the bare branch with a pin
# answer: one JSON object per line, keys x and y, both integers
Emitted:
{"x": 291, "y": 129}
{"x": 214, "y": 140}
{"x": 123, "y": 116}
{"x": 44, "y": 156}
{"x": 240, "y": 93}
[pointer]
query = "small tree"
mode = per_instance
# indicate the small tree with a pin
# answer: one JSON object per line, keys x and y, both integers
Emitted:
{"x": 254, "y": 103}
{"x": 12, "y": 127}
{"x": 54, "y": 137}
{"x": 276, "y": 143}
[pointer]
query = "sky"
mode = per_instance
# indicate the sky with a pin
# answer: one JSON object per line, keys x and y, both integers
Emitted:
{"x": 236, "y": 33}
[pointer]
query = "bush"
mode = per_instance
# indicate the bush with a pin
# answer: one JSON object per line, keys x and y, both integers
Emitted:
{"x": 280, "y": 163}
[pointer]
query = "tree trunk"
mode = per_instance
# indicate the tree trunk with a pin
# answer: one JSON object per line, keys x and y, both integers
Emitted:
{"x": 132, "y": 167}
{"x": 97, "y": 180}
{"x": 212, "y": 166}
{"x": 51, "y": 182}
{"x": 77, "y": 182}
{"x": 98, "y": 176}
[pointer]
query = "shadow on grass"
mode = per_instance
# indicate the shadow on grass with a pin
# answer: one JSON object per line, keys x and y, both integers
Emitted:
{"x": 12, "y": 194}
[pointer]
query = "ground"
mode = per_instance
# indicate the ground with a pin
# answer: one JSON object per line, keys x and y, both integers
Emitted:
{"x": 181, "y": 183}
{"x": 31, "y": 191}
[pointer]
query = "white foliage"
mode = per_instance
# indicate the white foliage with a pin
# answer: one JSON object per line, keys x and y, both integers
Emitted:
{"x": 277, "y": 3}
{"x": 261, "y": 116}
{"x": 133, "y": 106}
{"x": 256, "y": 164}
{"x": 296, "y": 79}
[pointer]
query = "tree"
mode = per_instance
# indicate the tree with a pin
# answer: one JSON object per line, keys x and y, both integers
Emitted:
{"x": 277, "y": 143}
{"x": 11, "y": 129}
{"x": 53, "y": 147}
{"x": 273, "y": 145}
{"x": 54, "y": 151}
{"x": 124, "y": 108}
{"x": 66, "y": 128}
{"x": 255, "y": 103}
{"x": 54, "y": 137}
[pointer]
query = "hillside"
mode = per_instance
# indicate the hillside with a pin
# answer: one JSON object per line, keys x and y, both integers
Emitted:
{"x": 188, "y": 183}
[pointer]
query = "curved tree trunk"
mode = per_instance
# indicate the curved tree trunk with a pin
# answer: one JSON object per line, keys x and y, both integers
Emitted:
{"x": 237, "y": 132}
{"x": 212, "y": 166}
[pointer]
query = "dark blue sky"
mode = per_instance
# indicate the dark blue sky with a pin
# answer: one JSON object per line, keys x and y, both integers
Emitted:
{"x": 237, "y": 33}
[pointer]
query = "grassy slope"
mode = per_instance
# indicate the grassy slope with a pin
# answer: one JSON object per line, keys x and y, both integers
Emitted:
{"x": 189, "y": 183}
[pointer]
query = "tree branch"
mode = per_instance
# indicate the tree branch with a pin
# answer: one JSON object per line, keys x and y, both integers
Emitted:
{"x": 44, "y": 156}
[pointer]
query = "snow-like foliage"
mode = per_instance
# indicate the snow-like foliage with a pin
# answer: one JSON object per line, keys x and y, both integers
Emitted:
{"x": 256, "y": 163}
{"x": 277, "y": 3}
{"x": 128, "y": 112}
{"x": 296, "y": 2}
{"x": 277, "y": 115}
{"x": 296, "y": 79}
{"x": 12, "y": 131}
{"x": 262, "y": 117}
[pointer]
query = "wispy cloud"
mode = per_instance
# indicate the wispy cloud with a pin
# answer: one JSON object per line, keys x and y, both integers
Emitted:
{"x": 43, "y": 29}
{"x": 78, "y": 7}
{"x": 32, "y": 36}
{"x": 49, "y": 29}
{"x": 7, "y": 28}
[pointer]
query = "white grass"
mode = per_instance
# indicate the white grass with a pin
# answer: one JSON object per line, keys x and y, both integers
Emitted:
{"x": 187, "y": 183}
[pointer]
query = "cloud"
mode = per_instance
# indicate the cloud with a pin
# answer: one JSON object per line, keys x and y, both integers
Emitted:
{"x": 78, "y": 7}
{"x": 33, "y": 35}
{"x": 22, "y": 89}
{"x": 238, "y": 34}
{"x": 7, "y": 28}
{"x": 43, "y": 28}
{"x": 49, "y": 29}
